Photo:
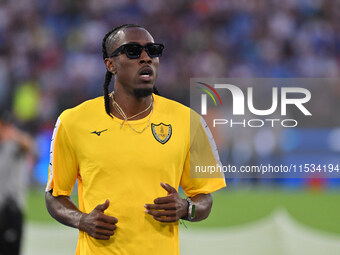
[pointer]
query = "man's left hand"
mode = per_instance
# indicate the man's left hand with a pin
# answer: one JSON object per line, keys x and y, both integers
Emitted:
{"x": 170, "y": 208}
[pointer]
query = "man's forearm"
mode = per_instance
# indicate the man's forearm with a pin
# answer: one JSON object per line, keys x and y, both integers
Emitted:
{"x": 203, "y": 204}
{"x": 95, "y": 224}
{"x": 63, "y": 209}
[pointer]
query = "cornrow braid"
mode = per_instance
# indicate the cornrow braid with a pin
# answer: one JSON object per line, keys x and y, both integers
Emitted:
{"x": 108, "y": 41}
{"x": 108, "y": 78}
{"x": 155, "y": 91}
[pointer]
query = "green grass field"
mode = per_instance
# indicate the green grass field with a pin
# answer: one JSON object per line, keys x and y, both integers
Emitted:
{"x": 320, "y": 210}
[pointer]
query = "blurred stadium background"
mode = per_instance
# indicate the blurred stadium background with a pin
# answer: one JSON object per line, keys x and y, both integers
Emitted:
{"x": 50, "y": 60}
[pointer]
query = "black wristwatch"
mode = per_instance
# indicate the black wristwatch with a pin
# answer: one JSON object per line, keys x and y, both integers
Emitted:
{"x": 191, "y": 210}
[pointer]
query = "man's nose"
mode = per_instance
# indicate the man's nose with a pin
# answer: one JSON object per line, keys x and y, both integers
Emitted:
{"x": 144, "y": 57}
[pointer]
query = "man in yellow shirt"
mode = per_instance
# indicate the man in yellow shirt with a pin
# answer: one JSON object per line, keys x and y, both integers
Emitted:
{"x": 130, "y": 151}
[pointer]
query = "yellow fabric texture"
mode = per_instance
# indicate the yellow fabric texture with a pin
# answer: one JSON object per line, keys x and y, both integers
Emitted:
{"x": 127, "y": 168}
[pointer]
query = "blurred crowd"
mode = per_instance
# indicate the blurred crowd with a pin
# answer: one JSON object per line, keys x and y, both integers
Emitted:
{"x": 50, "y": 51}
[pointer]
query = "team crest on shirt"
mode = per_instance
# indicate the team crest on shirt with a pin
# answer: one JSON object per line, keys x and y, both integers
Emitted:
{"x": 161, "y": 132}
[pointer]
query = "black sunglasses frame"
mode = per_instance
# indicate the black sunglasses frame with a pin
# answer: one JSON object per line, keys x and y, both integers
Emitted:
{"x": 123, "y": 49}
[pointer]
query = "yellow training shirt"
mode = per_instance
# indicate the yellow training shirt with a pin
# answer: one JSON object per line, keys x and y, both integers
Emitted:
{"x": 111, "y": 161}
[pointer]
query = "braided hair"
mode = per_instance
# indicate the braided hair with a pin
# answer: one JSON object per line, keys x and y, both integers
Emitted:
{"x": 108, "y": 41}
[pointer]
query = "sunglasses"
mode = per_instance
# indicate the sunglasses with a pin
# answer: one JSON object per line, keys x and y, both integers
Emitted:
{"x": 134, "y": 50}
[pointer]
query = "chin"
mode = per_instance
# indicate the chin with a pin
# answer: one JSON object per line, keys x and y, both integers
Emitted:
{"x": 142, "y": 92}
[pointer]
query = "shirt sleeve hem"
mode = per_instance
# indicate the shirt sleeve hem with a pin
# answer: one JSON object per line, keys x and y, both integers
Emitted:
{"x": 57, "y": 193}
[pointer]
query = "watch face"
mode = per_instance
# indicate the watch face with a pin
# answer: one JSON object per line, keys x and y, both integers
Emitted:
{"x": 193, "y": 211}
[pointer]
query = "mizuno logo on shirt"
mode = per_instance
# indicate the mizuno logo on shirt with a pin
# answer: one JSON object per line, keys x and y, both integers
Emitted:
{"x": 98, "y": 133}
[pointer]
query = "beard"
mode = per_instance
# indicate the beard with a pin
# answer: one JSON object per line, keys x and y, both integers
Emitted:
{"x": 142, "y": 92}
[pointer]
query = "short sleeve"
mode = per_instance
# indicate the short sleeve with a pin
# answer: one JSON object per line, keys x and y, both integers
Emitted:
{"x": 63, "y": 166}
{"x": 202, "y": 154}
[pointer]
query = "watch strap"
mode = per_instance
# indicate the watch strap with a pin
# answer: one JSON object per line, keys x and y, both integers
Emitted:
{"x": 191, "y": 210}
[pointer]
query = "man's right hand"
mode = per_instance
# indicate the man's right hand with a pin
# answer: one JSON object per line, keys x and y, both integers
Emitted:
{"x": 97, "y": 224}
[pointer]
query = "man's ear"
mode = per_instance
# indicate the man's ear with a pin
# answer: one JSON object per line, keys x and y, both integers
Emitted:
{"x": 110, "y": 65}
